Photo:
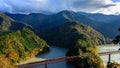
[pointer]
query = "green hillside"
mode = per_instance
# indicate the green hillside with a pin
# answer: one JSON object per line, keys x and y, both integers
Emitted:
{"x": 18, "y": 42}
{"x": 85, "y": 40}
{"x": 71, "y": 31}
{"x": 87, "y": 51}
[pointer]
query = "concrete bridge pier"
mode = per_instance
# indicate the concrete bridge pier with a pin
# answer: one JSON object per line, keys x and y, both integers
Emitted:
{"x": 109, "y": 59}
{"x": 45, "y": 65}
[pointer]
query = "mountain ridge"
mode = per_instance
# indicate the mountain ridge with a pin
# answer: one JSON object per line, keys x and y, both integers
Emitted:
{"x": 99, "y": 22}
{"x": 66, "y": 34}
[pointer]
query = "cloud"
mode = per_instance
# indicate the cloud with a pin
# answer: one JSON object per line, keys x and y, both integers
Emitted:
{"x": 113, "y": 10}
{"x": 96, "y": 6}
{"x": 23, "y": 6}
{"x": 36, "y": 6}
{"x": 90, "y": 5}
{"x": 4, "y": 6}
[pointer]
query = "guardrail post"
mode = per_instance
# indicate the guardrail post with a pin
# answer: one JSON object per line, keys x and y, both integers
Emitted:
{"x": 109, "y": 59}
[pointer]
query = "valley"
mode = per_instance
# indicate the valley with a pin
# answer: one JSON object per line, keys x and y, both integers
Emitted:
{"x": 28, "y": 36}
{"x": 59, "y": 33}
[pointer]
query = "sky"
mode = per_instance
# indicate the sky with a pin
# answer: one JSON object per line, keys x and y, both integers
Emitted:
{"x": 43, "y": 6}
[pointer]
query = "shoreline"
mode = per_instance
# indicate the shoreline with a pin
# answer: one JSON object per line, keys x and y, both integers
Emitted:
{"x": 34, "y": 58}
{"x": 31, "y": 60}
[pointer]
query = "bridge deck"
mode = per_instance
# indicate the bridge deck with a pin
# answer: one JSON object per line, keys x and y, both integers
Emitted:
{"x": 56, "y": 60}
{"x": 50, "y": 61}
{"x": 107, "y": 53}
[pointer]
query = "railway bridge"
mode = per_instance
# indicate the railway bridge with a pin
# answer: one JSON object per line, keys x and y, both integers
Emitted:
{"x": 62, "y": 59}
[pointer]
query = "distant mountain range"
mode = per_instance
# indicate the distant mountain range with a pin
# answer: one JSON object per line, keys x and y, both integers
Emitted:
{"x": 102, "y": 18}
{"x": 106, "y": 24}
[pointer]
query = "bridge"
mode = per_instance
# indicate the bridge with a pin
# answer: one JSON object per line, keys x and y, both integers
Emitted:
{"x": 62, "y": 59}
{"x": 46, "y": 62}
{"x": 108, "y": 53}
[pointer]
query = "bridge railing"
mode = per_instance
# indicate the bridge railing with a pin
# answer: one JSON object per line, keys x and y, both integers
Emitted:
{"x": 107, "y": 53}
{"x": 56, "y": 60}
{"x": 50, "y": 61}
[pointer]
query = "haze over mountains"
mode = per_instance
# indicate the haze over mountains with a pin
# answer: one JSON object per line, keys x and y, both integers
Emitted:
{"x": 106, "y": 24}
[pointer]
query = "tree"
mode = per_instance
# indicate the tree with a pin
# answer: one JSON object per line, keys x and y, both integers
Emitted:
{"x": 117, "y": 38}
{"x": 119, "y": 29}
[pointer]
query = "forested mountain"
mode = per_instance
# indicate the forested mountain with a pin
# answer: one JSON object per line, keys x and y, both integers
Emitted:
{"x": 106, "y": 24}
{"x": 68, "y": 29}
{"x": 53, "y": 20}
{"x": 110, "y": 23}
{"x": 17, "y": 42}
{"x": 68, "y": 33}
{"x": 102, "y": 18}
{"x": 86, "y": 49}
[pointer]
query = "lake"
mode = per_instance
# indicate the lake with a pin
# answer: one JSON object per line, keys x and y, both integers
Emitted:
{"x": 56, "y": 52}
